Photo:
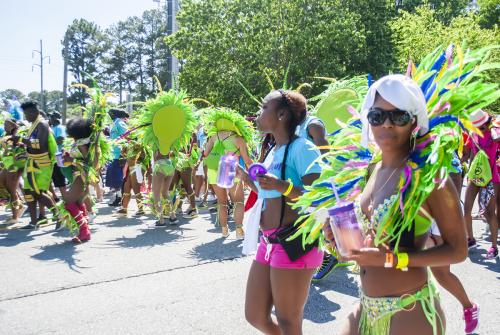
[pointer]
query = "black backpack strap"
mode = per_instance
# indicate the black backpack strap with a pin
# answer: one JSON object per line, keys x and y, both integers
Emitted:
{"x": 283, "y": 177}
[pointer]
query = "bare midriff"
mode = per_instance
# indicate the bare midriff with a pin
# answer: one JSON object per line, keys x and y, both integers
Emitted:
{"x": 391, "y": 282}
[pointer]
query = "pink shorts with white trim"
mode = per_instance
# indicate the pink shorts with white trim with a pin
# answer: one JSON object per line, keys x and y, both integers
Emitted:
{"x": 275, "y": 256}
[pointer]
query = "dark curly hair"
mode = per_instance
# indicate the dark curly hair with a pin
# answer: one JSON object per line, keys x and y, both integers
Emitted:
{"x": 119, "y": 113}
{"x": 78, "y": 128}
{"x": 29, "y": 105}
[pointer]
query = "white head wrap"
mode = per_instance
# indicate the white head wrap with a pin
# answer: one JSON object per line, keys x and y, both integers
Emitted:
{"x": 401, "y": 92}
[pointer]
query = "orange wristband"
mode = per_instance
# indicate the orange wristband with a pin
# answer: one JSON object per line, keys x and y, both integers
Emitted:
{"x": 389, "y": 260}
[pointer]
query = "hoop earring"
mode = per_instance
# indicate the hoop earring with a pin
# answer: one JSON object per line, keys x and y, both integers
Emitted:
{"x": 413, "y": 143}
{"x": 413, "y": 138}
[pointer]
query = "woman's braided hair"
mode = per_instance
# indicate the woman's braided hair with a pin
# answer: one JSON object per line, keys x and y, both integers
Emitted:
{"x": 296, "y": 105}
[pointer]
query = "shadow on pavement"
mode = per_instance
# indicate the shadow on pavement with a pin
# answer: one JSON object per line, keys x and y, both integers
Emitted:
{"x": 216, "y": 250}
{"x": 121, "y": 221}
{"x": 340, "y": 282}
{"x": 478, "y": 256}
{"x": 63, "y": 252}
{"x": 10, "y": 238}
{"x": 319, "y": 308}
{"x": 148, "y": 237}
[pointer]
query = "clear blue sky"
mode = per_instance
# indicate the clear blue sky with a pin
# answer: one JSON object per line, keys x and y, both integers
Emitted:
{"x": 24, "y": 22}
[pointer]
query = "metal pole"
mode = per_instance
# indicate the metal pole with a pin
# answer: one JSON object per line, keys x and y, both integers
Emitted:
{"x": 170, "y": 8}
{"x": 65, "y": 81}
{"x": 42, "y": 100}
{"x": 42, "y": 58}
{"x": 172, "y": 63}
{"x": 175, "y": 62}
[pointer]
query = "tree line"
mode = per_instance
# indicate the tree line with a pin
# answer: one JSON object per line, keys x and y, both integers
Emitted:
{"x": 224, "y": 44}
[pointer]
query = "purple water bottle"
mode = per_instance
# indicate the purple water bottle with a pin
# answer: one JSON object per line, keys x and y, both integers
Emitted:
{"x": 227, "y": 171}
{"x": 346, "y": 229}
{"x": 255, "y": 170}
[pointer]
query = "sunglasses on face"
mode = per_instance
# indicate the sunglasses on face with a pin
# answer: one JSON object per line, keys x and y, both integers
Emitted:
{"x": 377, "y": 116}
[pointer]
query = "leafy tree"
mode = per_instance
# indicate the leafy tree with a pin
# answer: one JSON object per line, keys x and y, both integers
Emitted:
{"x": 445, "y": 10}
{"x": 154, "y": 28}
{"x": 375, "y": 16}
{"x": 489, "y": 13}
{"x": 10, "y": 93}
{"x": 86, "y": 45}
{"x": 415, "y": 35}
{"x": 53, "y": 99}
{"x": 115, "y": 58}
{"x": 222, "y": 41}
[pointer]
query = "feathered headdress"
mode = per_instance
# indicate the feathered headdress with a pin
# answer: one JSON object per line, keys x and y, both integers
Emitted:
{"x": 454, "y": 86}
{"x": 166, "y": 122}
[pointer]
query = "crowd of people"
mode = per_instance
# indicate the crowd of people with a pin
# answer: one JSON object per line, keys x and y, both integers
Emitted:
{"x": 399, "y": 164}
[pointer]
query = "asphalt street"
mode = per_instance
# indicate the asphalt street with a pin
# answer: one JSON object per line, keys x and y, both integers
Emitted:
{"x": 133, "y": 278}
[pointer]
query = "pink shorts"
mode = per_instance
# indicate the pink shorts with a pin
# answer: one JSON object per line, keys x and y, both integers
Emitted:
{"x": 275, "y": 256}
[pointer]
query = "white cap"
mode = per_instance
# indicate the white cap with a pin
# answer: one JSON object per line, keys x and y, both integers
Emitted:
{"x": 401, "y": 92}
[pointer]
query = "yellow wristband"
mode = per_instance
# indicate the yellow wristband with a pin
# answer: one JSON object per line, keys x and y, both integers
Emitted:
{"x": 403, "y": 261}
{"x": 289, "y": 189}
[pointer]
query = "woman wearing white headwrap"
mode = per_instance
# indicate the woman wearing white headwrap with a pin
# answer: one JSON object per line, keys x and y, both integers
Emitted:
{"x": 397, "y": 185}
{"x": 395, "y": 285}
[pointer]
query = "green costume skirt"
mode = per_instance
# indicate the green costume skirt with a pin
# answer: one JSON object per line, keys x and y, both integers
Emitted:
{"x": 37, "y": 173}
{"x": 164, "y": 166}
{"x": 377, "y": 313}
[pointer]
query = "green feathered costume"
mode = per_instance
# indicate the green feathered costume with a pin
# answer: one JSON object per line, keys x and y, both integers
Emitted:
{"x": 217, "y": 120}
{"x": 99, "y": 153}
{"x": 167, "y": 122}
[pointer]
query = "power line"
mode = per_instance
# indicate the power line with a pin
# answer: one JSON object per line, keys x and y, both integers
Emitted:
{"x": 42, "y": 59}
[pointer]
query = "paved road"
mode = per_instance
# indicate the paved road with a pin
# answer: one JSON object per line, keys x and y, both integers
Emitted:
{"x": 133, "y": 278}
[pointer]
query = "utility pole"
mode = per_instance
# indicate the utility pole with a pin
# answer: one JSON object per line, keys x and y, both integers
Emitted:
{"x": 172, "y": 7}
{"x": 173, "y": 64}
{"x": 42, "y": 58}
{"x": 65, "y": 81}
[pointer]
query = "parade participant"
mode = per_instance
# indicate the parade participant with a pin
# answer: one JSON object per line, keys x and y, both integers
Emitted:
{"x": 80, "y": 130}
{"x": 165, "y": 126}
{"x": 138, "y": 161}
{"x": 399, "y": 185}
{"x": 59, "y": 132}
{"x": 14, "y": 108}
{"x": 13, "y": 159}
{"x": 87, "y": 154}
{"x": 41, "y": 147}
{"x": 163, "y": 173}
{"x": 186, "y": 161}
{"x": 452, "y": 284}
{"x": 200, "y": 182}
{"x": 274, "y": 274}
{"x": 482, "y": 120}
{"x": 114, "y": 173}
{"x": 443, "y": 275}
{"x": 229, "y": 133}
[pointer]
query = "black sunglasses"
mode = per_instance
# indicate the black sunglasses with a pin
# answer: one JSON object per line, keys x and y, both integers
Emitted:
{"x": 377, "y": 116}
